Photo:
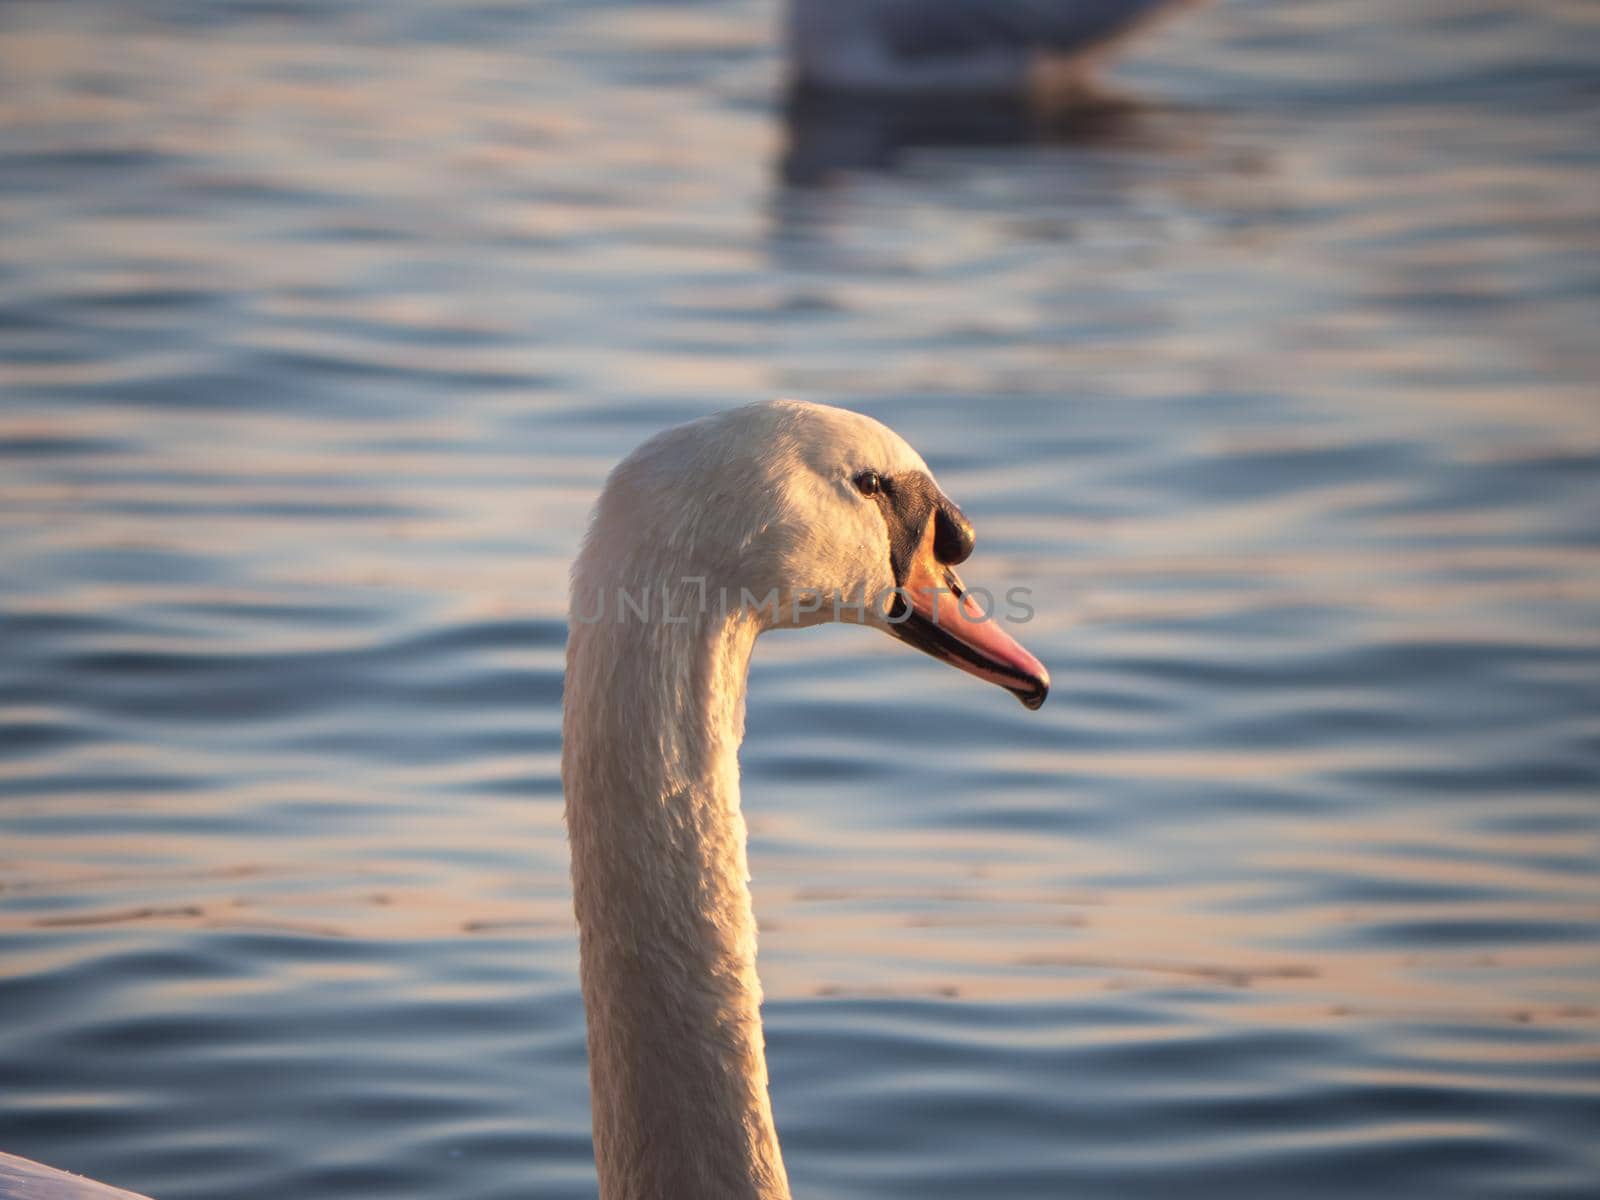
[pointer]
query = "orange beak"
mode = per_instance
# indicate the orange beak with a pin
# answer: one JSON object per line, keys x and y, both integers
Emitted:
{"x": 934, "y": 612}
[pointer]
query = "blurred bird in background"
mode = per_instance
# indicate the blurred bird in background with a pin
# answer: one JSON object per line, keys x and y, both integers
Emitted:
{"x": 870, "y": 79}
{"x": 961, "y": 46}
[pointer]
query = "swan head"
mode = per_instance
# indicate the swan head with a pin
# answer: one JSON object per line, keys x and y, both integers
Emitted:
{"x": 799, "y": 514}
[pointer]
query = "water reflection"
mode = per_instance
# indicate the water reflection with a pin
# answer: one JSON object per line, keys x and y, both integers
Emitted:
{"x": 829, "y": 133}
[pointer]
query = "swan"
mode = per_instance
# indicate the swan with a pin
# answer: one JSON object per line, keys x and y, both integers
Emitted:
{"x": 776, "y": 515}
{"x": 1048, "y": 47}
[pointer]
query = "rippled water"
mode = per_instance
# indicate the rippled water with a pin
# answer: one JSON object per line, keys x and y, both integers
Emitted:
{"x": 320, "y": 324}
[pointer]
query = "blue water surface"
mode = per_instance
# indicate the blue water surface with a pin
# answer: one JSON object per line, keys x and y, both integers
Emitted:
{"x": 320, "y": 324}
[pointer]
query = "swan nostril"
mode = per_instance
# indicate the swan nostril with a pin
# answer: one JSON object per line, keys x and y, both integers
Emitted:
{"x": 953, "y": 536}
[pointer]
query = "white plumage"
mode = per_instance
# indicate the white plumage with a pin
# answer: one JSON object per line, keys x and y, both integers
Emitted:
{"x": 21, "y": 1179}
{"x": 767, "y": 500}
{"x": 957, "y": 45}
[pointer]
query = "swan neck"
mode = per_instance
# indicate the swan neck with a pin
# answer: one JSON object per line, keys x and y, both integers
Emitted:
{"x": 653, "y": 720}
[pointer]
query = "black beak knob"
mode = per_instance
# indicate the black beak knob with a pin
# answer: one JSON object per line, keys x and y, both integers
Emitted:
{"x": 953, "y": 537}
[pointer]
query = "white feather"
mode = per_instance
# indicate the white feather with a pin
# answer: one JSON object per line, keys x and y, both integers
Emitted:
{"x": 21, "y": 1179}
{"x": 756, "y": 499}
{"x": 956, "y": 45}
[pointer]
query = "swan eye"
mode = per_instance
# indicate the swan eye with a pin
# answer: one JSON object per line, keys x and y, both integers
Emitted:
{"x": 869, "y": 483}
